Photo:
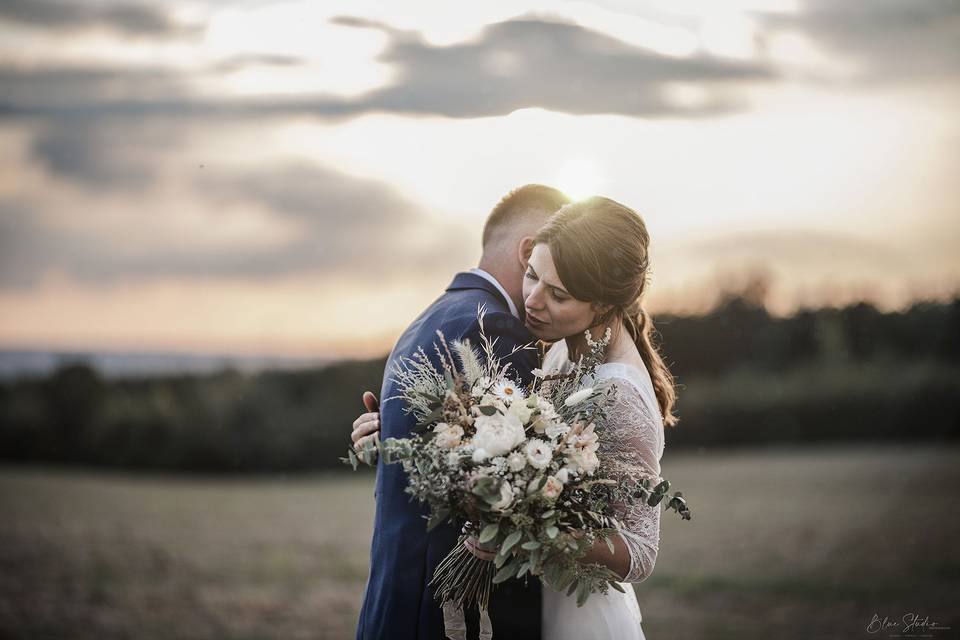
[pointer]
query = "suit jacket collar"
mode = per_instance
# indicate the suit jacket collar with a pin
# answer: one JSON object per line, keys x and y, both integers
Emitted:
{"x": 467, "y": 280}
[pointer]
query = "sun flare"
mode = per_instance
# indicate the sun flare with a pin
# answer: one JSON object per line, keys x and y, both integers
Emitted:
{"x": 579, "y": 178}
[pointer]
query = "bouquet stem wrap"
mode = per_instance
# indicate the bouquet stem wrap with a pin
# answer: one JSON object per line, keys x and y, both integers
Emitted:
{"x": 464, "y": 579}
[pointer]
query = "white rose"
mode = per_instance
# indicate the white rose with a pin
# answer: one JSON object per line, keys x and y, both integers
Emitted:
{"x": 498, "y": 434}
{"x": 506, "y": 497}
{"x": 516, "y": 461}
{"x": 479, "y": 455}
{"x": 578, "y": 397}
{"x": 552, "y": 488}
{"x": 538, "y": 453}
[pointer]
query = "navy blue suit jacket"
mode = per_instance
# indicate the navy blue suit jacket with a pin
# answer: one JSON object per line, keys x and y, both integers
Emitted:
{"x": 398, "y": 602}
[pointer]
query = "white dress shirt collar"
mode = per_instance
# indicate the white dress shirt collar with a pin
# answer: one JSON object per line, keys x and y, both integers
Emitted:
{"x": 486, "y": 276}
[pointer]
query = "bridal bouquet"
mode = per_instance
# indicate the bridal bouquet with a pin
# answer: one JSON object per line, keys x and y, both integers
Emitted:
{"x": 524, "y": 467}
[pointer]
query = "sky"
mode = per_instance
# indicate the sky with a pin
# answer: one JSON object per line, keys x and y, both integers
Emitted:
{"x": 302, "y": 178}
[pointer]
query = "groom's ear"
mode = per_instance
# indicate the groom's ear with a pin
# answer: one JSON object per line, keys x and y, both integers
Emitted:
{"x": 524, "y": 249}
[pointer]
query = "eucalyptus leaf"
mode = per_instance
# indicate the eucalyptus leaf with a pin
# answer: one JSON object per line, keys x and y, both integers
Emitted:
{"x": 583, "y": 592}
{"x": 511, "y": 540}
{"x": 505, "y": 573}
{"x": 489, "y": 532}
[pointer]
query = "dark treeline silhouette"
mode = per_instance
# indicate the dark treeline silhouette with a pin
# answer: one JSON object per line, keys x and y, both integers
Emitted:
{"x": 745, "y": 378}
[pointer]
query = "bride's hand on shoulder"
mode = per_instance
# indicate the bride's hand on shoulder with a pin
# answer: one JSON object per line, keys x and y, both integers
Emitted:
{"x": 366, "y": 428}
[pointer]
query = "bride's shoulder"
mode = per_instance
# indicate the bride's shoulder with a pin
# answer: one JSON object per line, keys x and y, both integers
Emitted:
{"x": 635, "y": 387}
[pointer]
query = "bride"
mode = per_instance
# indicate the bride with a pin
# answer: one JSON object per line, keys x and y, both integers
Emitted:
{"x": 587, "y": 272}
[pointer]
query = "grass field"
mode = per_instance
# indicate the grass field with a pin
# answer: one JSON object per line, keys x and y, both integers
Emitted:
{"x": 804, "y": 543}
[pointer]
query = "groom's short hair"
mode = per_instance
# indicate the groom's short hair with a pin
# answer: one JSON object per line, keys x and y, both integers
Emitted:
{"x": 530, "y": 200}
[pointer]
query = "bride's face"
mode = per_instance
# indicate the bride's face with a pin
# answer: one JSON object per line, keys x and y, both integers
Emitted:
{"x": 552, "y": 313}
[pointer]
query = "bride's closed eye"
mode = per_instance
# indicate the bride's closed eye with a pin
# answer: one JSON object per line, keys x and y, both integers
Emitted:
{"x": 530, "y": 275}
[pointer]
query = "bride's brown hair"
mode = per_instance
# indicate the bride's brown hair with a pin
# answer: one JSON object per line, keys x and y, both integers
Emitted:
{"x": 601, "y": 252}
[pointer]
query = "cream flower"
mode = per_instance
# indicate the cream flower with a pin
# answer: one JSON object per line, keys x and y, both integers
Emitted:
{"x": 498, "y": 434}
{"x": 538, "y": 453}
{"x": 516, "y": 461}
{"x": 582, "y": 449}
{"x": 552, "y": 488}
{"x": 507, "y": 391}
{"x": 447, "y": 436}
{"x": 586, "y": 461}
{"x": 556, "y": 430}
{"x": 521, "y": 411}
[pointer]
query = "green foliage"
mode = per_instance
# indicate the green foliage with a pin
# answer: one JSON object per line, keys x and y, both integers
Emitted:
{"x": 745, "y": 378}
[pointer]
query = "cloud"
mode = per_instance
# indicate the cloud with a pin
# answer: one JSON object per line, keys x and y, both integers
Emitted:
{"x": 119, "y": 155}
{"x": 552, "y": 65}
{"x": 237, "y": 63}
{"x": 892, "y": 40}
{"x": 128, "y": 19}
{"x": 343, "y": 224}
{"x": 513, "y": 65}
{"x": 92, "y": 92}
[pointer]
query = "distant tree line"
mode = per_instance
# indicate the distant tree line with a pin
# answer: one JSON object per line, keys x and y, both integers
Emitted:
{"x": 745, "y": 378}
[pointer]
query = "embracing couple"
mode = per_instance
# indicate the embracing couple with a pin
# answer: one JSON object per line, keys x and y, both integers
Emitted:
{"x": 551, "y": 270}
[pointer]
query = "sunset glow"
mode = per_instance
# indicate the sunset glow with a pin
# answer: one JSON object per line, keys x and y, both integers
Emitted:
{"x": 301, "y": 178}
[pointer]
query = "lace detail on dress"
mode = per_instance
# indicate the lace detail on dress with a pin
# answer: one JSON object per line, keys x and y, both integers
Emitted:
{"x": 639, "y": 451}
{"x": 637, "y": 448}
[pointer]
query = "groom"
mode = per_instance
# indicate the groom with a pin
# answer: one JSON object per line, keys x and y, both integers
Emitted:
{"x": 399, "y": 603}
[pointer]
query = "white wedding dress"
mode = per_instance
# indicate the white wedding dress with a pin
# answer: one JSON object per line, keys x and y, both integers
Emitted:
{"x": 636, "y": 416}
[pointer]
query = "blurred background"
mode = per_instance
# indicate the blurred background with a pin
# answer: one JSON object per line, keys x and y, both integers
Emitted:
{"x": 216, "y": 217}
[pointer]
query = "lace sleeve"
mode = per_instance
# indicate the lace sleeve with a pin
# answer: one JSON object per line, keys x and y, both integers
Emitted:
{"x": 637, "y": 447}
